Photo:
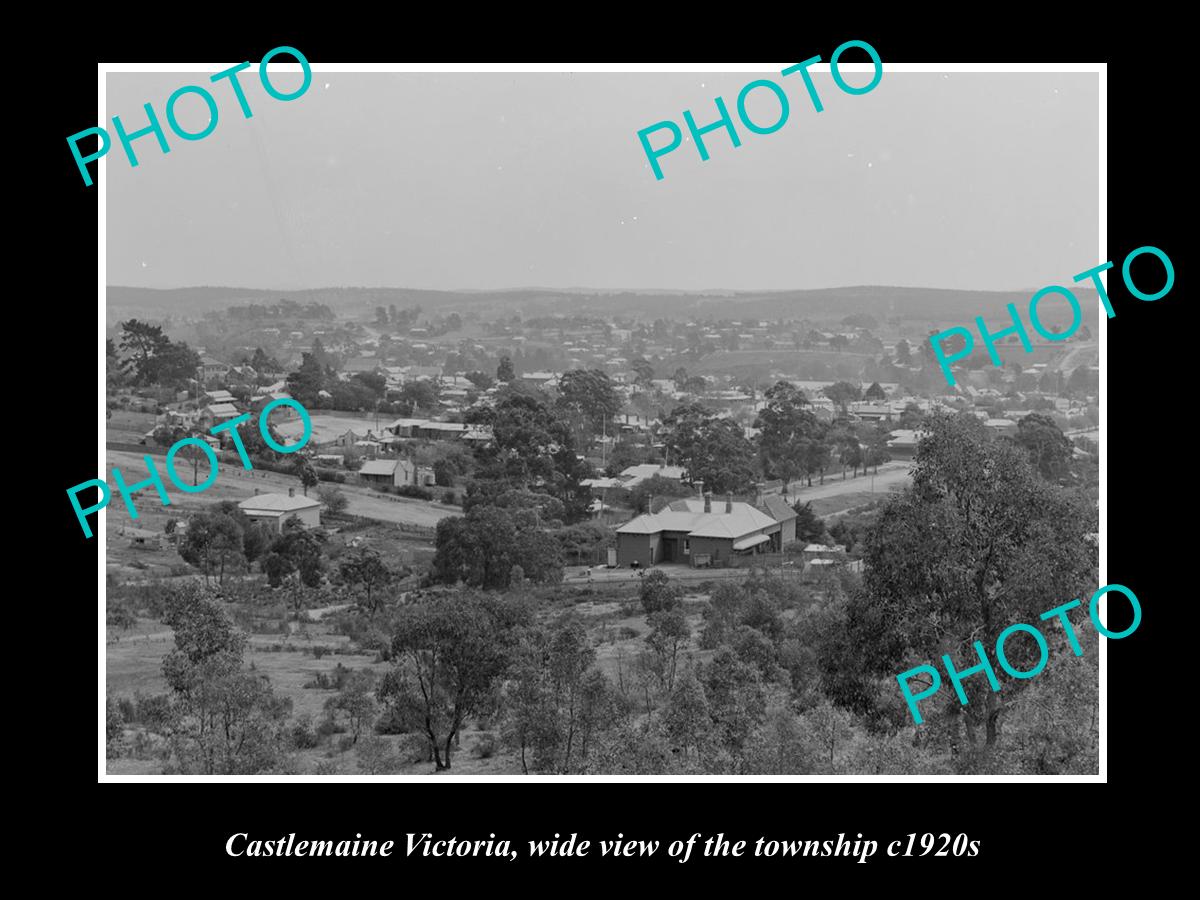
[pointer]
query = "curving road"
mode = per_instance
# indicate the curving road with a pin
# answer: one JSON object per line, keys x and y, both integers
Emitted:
{"x": 891, "y": 473}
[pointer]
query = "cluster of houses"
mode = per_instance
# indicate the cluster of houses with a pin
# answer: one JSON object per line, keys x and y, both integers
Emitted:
{"x": 698, "y": 531}
{"x": 333, "y": 442}
{"x": 215, "y": 407}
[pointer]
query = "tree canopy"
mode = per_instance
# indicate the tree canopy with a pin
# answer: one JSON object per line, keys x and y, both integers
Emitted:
{"x": 590, "y": 392}
{"x": 787, "y": 432}
{"x": 449, "y": 655}
{"x": 712, "y": 450}
{"x": 1050, "y": 451}
{"x": 153, "y": 358}
{"x": 481, "y": 548}
{"x": 978, "y": 543}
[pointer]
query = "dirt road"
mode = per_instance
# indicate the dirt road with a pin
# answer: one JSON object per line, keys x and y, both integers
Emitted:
{"x": 1081, "y": 355}
{"x": 892, "y": 473}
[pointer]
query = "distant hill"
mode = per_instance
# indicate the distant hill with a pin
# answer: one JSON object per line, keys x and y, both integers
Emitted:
{"x": 927, "y": 304}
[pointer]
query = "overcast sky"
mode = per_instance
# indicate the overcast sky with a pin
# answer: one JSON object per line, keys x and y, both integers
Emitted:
{"x": 981, "y": 181}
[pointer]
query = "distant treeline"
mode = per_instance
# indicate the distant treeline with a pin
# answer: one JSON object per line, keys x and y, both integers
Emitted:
{"x": 929, "y": 304}
{"x": 284, "y": 309}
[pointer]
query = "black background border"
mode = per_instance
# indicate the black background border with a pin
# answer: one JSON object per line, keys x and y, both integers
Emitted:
{"x": 1145, "y": 398}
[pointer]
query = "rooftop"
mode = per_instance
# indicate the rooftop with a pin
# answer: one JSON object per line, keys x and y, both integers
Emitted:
{"x": 777, "y": 508}
{"x": 378, "y": 467}
{"x": 276, "y": 503}
{"x": 689, "y": 516}
{"x": 649, "y": 470}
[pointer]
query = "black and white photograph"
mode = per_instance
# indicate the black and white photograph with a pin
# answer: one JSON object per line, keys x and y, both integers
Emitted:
{"x": 498, "y": 422}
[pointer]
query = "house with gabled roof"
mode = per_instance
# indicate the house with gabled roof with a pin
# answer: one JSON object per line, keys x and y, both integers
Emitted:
{"x": 215, "y": 414}
{"x": 781, "y": 511}
{"x": 632, "y": 476}
{"x": 698, "y": 532}
{"x": 274, "y": 509}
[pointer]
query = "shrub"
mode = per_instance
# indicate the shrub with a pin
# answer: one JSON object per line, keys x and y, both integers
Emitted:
{"x": 375, "y": 756}
{"x": 345, "y": 743}
{"x": 335, "y": 501}
{"x": 450, "y": 498}
{"x": 486, "y": 746}
{"x": 143, "y": 746}
{"x": 658, "y": 593}
{"x": 413, "y": 748}
{"x": 443, "y": 473}
{"x": 415, "y": 491}
{"x": 330, "y": 726}
{"x": 153, "y": 710}
{"x": 304, "y": 736}
{"x": 113, "y": 730}
{"x": 340, "y": 674}
{"x": 145, "y": 709}
{"x": 326, "y": 767}
{"x": 332, "y": 681}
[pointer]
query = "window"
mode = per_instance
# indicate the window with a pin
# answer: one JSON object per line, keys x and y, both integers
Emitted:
{"x": 686, "y": 547}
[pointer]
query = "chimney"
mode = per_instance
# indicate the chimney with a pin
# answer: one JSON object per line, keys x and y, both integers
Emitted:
{"x": 708, "y": 503}
{"x": 650, "y": 505}
{"x": 729, "y": 503}
{"x": 291, "y": 492}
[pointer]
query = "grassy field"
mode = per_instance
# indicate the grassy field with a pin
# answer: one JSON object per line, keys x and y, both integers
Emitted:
{"x": 126, "y": 561}
{"x": 126, "y": 426}
{"x": 611, "y": 613}
{"x": 134, "y": 664}
{"x": 825, "y": 506}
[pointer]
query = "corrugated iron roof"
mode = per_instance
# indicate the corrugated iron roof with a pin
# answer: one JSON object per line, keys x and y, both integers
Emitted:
{"x": 378, "y": 467}
{"x": 689, "y": 516}
{"x": 777, "y": 508}
{"x": 276, "y": 503}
